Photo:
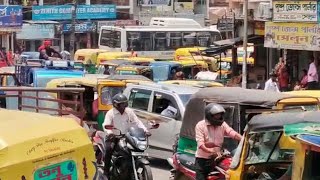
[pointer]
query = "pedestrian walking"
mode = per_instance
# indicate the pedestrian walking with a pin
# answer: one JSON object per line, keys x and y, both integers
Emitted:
{"x": 304, "y": 79}
{"x": 313, "y": 78}
{"x": 283, "y": 77}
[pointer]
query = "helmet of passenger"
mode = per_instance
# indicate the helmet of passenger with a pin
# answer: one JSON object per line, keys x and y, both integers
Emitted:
{"x": 211, "y": 110}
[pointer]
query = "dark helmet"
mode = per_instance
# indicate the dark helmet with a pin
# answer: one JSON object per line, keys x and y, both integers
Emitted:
{"x": 212, "y": 109}
{"x": 119, "y": 98}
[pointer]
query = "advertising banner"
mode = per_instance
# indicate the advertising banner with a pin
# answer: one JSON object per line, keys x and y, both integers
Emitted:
{"x": 154, "y": 2}
{"x": 80, "y": 27}
{"x": 36, "y": 32}
{"x": 64, "y": 12}
{"x": 10, "y": 16}
{"x": 295, "y": 11}
{"x": 297, "y": 36}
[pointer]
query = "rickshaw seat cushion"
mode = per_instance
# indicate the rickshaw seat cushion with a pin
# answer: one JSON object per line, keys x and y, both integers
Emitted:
{"x": 187, "y": 160}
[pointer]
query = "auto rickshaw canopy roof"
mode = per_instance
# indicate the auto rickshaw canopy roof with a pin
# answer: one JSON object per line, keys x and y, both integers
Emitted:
{"x": 313, "y": 93}
{"x": 277, "y": 121}
{"x": 195, "y": 107}
{"x": 27, "y": 136}
{"x": 88, "y": 56}
{"x": 90, "y": 81}
{"x": 106, "y": 56}
{"x": 127, "y": 77}
{"x": 197, "y": 83}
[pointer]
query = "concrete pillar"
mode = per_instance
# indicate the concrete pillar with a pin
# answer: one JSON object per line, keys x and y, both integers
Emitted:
{"x": 32, "y": 45}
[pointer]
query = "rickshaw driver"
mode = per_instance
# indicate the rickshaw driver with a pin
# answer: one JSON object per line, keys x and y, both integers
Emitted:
{"x": 121, "y": 117}
{"x": 210, "y": 134}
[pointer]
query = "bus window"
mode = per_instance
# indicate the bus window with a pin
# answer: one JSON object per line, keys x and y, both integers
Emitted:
{"x": 175, "y": 40}
{"x": 160, "y": 41}
{"x": 110, "y": 38}
{"x": 203, "y": 39}
{"x": 133, "y": 39}
{"x": 189, "y": 39}
{"x": 146, "y": 41}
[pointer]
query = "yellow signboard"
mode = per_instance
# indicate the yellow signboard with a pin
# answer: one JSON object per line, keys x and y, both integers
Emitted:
{"x": 298, "y": 36}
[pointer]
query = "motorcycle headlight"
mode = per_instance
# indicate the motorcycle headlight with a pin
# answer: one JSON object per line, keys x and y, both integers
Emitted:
{"x": 142, "y": 145}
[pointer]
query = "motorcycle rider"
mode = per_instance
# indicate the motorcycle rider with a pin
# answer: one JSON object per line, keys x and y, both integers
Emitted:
{"x": 46, "y": 51}
{"x": 210, "y": 134}
{"x": 121, "y": 117}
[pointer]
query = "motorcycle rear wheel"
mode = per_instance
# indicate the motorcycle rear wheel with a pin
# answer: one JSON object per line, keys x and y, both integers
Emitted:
{"x": 146, "y": 173}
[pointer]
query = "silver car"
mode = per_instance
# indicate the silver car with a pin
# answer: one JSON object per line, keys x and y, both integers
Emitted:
{"x": 165, "y": 104}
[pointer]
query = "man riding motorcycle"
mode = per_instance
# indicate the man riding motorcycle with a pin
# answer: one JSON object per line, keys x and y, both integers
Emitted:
{"x": 46, "y": 51}
{"x": 121, "y": 117}
{"x": 210, "y": 134}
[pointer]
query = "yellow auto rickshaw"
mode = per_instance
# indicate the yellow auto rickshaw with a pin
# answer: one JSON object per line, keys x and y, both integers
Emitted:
{"x": 181, "y": 53}
{"x": 190, "y": 68}
{"x": 109, "y": 87}
{"x": 307, "y": 151}
{"x": 265, "y": 150}
{"x": 87, "y": 58}
{"x": 313, "y": 93}
{"x": 106, "y": 56}
{"x": 39, "y": 146}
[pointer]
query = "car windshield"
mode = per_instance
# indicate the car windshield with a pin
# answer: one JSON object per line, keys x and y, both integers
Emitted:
{"x": 108, "y": 92}
{"x": 265, "y": 147}
{"x": 185, "y": 98}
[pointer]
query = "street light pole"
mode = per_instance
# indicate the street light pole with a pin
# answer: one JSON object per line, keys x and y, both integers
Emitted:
{"x": 73, "y": 29}
{"x": 245, "y": 42}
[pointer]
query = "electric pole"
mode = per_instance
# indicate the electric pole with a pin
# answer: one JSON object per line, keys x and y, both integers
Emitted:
{"x": 245, "y": 42}
{"x": 73, "y": 25}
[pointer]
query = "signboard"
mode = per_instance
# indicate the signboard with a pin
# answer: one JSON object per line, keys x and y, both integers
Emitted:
{"x": 119, "y": 2}
{"x": 36, "y": 31}
{"x": 295, "y": 11}
{"x": 154, "y": 2}
{"x": 63, "y": 12}
{"x": 80, "y": 27}
{"x": 298, "y": 36}
{"x": 10, "y": 16}
{"x": 117, "y": 23}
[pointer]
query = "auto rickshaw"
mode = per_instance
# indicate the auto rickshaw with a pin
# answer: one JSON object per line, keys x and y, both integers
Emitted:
{"x": 109, "y": 67}
{"x": 190, "y": 68}
{"x": 39, "y": 146}
{"x": 135, "y": 70}
{"x": 107, "y": 56}
{"x": 187, "y": 52}
{"x": 307, "y": 151}
{"x": 197, "y": 83}
{"x": 109, "y": 87}
{"x": 88, "y": 57}
{"x": 240, "y": 105}
{"x": 266, "y": 152}
{"x": 313, "y": 93}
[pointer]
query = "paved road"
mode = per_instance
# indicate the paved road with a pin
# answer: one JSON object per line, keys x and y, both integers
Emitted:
{"x": 160, "y": 169}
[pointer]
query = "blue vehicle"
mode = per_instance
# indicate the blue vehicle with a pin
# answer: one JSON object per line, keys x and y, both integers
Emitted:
{"x": 38, "y": 73}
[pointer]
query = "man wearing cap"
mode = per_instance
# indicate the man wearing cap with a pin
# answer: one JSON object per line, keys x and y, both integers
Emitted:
{"x": 46, "y": 51}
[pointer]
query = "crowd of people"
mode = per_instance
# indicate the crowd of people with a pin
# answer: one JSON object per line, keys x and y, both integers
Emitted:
{"x": 279, "y": 80}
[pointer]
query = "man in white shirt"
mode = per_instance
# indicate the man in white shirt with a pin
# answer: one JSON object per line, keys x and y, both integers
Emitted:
{"x": 271, "y": 84}
{"x": 122, "y": 118}
{"x": 312, "y": 75}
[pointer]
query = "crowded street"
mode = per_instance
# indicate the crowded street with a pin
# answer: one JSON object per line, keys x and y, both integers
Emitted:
{"x": 159, "y": 90}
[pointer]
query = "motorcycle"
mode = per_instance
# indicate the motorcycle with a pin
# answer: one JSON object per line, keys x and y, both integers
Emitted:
{"x": 128, "y": 159}
{"x": 184, "y": 166}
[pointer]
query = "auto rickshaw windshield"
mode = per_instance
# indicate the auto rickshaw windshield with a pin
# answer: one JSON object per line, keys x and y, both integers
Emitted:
{"x": 108, "y": 92}
{"x": 264, "y": 148}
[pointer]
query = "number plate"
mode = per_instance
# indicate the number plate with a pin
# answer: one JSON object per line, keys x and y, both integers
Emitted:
{"x": 63, "y": 170}
{"x": 139, "y": 154}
